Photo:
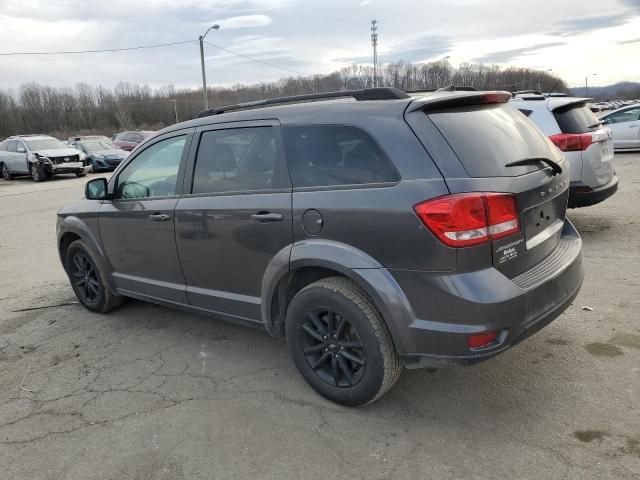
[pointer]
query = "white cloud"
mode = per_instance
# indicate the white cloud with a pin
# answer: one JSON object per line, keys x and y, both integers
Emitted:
{"x": 364, "y": 2}
{"x": 244, "y": 21}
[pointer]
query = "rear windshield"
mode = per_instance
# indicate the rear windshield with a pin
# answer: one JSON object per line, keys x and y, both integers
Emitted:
{"x": 486, "y": 138}
{"x": 576, "y": 119}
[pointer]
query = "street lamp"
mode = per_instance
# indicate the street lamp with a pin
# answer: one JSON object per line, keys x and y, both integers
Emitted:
{"x": 586, "y": 84}
{"x": 204, "y": 76}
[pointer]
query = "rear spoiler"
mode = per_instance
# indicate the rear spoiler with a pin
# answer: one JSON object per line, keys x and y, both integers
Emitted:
{"x": 559, "y": 103}
{"x": 458, "y": 99}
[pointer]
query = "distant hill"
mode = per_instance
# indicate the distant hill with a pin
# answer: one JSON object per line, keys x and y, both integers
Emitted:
{"x": 617, "y": 91}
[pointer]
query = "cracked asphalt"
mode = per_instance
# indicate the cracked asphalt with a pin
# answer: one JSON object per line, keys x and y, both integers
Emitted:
{"x": 150, "y": 393}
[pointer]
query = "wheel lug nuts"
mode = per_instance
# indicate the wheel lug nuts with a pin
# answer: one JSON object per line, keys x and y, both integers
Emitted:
{"x": 324, "y": 337}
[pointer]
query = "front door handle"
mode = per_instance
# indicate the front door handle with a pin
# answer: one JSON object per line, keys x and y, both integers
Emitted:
{"x": 267, "y": 217}
{"x": 159, "y": 217}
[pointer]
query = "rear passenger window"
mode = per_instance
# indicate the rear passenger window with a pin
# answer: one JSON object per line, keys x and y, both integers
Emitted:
{"x": 236, "y": 160}
{"x": 325, "y": 155}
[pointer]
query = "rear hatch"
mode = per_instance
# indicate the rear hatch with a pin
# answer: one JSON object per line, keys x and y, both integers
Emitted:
{"x": 583, "y": 133}
{"x": 481, "y": 144}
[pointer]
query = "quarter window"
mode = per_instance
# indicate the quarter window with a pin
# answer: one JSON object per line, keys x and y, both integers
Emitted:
{"x": 153, "y": 172}
{"x": 327, "y": 155}
{"x": 235, "y": 160}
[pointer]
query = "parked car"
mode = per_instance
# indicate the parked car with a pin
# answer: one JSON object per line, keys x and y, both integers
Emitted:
{"x": 583, "y": 140}
{"x": 40, "y": 156}
{"x": 78, "y": 138}
{"x": 625, "y": 125}
{"x": 128, "y": 140}
{"x": 101, "y": 154}
{"x": 415, "y": 231}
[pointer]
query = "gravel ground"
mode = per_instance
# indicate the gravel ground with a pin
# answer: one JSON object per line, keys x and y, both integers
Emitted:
{"x": 150, "y": 393}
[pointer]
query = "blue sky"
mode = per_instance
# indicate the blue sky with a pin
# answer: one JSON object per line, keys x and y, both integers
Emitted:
{"x": 573, "y": 38}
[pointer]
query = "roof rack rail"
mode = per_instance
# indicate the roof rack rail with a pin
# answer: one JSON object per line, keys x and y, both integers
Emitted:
{"x": 460, "y": 88}
{"x": 378, "y": 93}
{"x": 523, "y": 92}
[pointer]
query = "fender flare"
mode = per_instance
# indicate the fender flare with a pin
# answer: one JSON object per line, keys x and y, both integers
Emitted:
{"x": 362, "y": 269}
{"x": 75, "y": 225}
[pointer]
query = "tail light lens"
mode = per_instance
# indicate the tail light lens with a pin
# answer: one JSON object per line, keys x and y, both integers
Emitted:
{"x": 468, "y": 219}
{"x": 572, "y": 142}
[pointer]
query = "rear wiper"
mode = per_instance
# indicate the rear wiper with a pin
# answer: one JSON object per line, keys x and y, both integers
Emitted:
{"x": 526, "y": 161}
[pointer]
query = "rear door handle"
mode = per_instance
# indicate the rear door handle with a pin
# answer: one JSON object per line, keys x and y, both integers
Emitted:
{"x": 267, "y": 217}
{"x": 159, "y": 217}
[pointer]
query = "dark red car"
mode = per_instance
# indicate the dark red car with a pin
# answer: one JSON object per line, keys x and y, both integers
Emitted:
{"x": 128, "y": 140}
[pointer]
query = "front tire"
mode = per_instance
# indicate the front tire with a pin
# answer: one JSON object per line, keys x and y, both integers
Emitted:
{"x": 81, "y": 174}
{"x": 339, "y": 342}
{"x": 37, "y": 173}
{"x": 6, "y": 174}
{"x": 88, "y": 282}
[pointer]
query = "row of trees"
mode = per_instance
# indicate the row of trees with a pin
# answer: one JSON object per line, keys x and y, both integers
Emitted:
{"x": 84, "y": 109}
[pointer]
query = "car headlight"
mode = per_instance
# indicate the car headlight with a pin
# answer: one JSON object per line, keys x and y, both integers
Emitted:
{"x": 83, "y": 156}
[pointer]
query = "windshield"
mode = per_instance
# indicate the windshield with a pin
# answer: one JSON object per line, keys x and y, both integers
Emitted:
{"x": 45, "y": 144}
{"x": 97, "y": 146}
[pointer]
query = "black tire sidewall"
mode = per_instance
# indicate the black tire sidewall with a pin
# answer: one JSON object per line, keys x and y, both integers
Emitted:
{"x": 6, "y": 174}
{"x": 371, "y": 382}
{"x": 75, "y": 248}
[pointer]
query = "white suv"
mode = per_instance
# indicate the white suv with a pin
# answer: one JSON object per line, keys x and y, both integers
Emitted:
{"x": 584, "y": 141}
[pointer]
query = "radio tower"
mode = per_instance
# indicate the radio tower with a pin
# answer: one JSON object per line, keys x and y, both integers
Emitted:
{"x": 374, "y": 42}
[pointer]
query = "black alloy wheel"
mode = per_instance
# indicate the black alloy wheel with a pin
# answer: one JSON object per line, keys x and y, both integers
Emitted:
{"x": 85, "y": 278}
{"x": 332, "y": 347}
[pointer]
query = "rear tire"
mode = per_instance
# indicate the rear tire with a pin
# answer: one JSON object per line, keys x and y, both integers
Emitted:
{"x": 88, "y": 281}
{"x": 339, "y": 342}
{"x": 37, "y": 173}
{"x": 6, "y": 174}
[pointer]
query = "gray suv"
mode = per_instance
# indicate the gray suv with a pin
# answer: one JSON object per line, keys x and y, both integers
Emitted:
{"x": 372, "y": 229}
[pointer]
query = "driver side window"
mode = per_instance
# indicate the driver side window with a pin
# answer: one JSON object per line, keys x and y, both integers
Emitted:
{"x": 154, "y": 172}
{"x": 625, "y": 116}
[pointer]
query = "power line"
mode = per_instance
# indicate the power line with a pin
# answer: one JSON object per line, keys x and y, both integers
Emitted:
{"x": 71, "y": 52}
{"x": 257, "y": 60}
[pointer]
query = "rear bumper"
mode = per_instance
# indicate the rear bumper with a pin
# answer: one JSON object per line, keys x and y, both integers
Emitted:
{"x": 447, "y": 308}
{"x": 579, "y": 198}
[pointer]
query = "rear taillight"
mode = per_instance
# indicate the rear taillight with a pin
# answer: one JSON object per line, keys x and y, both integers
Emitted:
{"x": 572, "y": 142}
{"x": 467, "y": 219}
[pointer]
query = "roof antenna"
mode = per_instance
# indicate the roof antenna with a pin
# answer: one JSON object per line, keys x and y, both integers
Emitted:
{"x": 553, "y": 88}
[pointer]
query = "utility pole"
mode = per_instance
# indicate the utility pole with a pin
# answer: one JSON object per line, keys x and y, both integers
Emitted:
{"x": 175, "y": 108}
{"x": 586, "y": 84}
{"x": 374, "y": 42}
{"x": 204, "y": 75}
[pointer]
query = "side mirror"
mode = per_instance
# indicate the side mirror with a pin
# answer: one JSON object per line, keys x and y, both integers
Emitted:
{"x": 21, "y": 150}
{"x": 96, "y": 189}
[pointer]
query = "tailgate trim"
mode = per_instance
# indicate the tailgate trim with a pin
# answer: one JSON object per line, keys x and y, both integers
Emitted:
{"x": 544, "y": 235}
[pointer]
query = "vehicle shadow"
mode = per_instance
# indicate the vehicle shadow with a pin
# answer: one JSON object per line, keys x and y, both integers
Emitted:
{"x": 513, "y": 387}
